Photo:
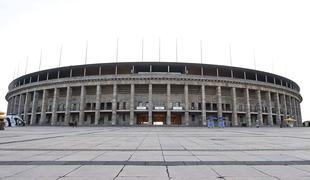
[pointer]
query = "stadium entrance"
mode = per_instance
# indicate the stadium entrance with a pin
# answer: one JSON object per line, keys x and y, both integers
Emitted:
{"x": 159, "y": 118}
{"x": 142, "y": 119}
{"x": 176, "y": 119}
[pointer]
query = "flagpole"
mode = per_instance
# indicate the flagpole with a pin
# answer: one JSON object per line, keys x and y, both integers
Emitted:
{"x": 26, "y": 65}
{"x": 201, "y": 51}
{"x": 159, "y": 49}
{"x": 176, "y": 49}
{"x": 60, "y": 54}
{"x": 230, "y": 58}
{"x": 116, "y": 58}
{"x": 142, "y": 48}
{"x": 86, "y": 52}
{"x": 254, "y": 59}
{"x": 40, "y": 60}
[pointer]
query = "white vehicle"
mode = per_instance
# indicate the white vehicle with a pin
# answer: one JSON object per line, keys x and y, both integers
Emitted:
{"x": 13, "y": 120}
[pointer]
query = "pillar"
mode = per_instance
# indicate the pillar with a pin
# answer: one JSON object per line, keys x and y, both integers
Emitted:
{"x": 150, "y": 108}
{"x": 234, "y": 107}
{"x": 19, "y": 110}
{"x": 26, "y": 107}
{"x": 247, "y": 107}
{"x": 15, "y": 105}
{"x": 294, "y": 113}
{"x": 43, "y": 108}
{"x": 54, "y": 106}
{"x": 278, "y": 109}
{"x": 259, "y": 109}
{"x": 97, "y": 108}
{"x": 114, "y": 104}
{"x": 168, "y": 104}
{"x": 270, "y": 120}
{"x": 8, "y": 107}
{"x": 219, "y": 101}
{"x": 34, "y": 107}
{"x": 290, "y": 109}
{"x": 82, "y": 106}
{"x": 285, "y": 107}
{"x": 203, "y": 105}
{"x": 132, "y": 104}
{"x": 186, "y": 105}
{"x": 299, "y": 112}
{"x": 67, "y": 105}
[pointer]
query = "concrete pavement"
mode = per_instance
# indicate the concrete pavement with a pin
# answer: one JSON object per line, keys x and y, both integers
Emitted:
{"x": 154, "y": 153}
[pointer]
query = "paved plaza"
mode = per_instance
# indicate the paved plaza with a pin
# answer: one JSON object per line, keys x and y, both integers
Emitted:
{"x": 154, "y": 153}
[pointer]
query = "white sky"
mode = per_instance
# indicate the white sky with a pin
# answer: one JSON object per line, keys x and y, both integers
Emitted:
{"x": 278, "y": 30}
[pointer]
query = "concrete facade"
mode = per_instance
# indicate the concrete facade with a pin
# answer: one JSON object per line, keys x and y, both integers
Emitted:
{"x": 148, "y": 93}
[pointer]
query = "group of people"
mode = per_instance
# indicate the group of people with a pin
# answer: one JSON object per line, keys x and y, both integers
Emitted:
{"x": 73, "y": 123}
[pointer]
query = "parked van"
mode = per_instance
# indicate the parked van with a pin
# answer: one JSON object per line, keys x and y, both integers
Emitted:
{"x": 13, "y": 120}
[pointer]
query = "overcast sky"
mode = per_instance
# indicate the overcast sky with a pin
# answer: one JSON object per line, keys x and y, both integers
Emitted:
{"x": 278, "y": 31}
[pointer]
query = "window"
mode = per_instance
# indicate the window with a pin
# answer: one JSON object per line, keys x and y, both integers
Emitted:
{"x": 88, "y": 106}
{"x": 102, "y": 106}
{"x": 228, "y": 107}
{"x": 109, "y": 106}
{"x": 208, "y": 106}
{"x": 193, "y": 105}
{"x": 214, "y": 106}
{"x": 124, "y": 105}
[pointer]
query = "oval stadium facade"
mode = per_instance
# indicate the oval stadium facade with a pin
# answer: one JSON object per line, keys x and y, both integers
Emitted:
{"x": 154, "y": 93}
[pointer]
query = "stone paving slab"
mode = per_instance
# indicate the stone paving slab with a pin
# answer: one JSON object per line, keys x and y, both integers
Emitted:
{"x": 154, "y": 153}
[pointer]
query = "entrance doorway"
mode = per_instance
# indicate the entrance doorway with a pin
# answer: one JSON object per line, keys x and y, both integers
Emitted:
{"x": 176, "y": 119}
{"x": 142, "y": 119}
{"x": 159, "y": 118}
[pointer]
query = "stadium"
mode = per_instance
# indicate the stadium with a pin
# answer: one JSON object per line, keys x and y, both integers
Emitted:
{"x": 154, "y": 93}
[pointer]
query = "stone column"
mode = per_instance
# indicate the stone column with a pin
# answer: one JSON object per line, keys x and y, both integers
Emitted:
{"x": 132, "y": 104}
{"x": 247, "y": 107}
{"x": 19, "y": 110}
{"x": 15, "y": 108}
{"x": 12, "y": 104}
{"x": 67, "y": 105}
{"x": 9, "y": 105}
{"x": 82, "y": 106}
{"x": 219, "y": 101}
{"x": 26, "y": 107}
{"x": 168, "y": 104}
{"x": 203, "y": 105}
{"x": 114, "y": 104}
{"x": 34, "y": 107}
{"x": 259, "y": 109}
{"x": 234, "y": 107}
{"x": 290, "y": 109}
{"x": 97, "y": 108}
{"x": 299, "y": 112}
{"x": 186, "y": 105}
{"x": 43, "y": 108}
{"x": 270, "y": 120}
{"x": 294, "y": 110}
{"x": 150, "y": 108}
{"x": 285, "y": 107}
{"x": 54, "y": 107}
{"x": 278, "y": 107}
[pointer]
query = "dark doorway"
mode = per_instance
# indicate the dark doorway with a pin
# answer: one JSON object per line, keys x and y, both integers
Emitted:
{"x": 159, "y": 118}
{"x": 142, "y": 119}
{"x": 176, "y": 119}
